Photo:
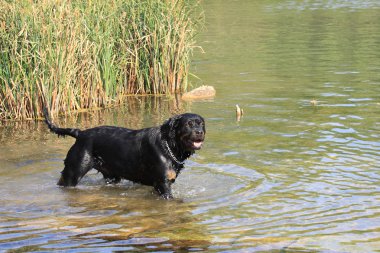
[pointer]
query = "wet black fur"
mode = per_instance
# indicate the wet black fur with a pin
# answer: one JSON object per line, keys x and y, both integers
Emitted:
{"x": 137, "y": 155}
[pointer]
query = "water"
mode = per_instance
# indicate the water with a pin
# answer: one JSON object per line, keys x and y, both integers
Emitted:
{"x": 290, "y": 176}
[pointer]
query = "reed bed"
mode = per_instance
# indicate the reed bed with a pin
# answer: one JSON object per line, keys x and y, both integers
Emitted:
{"x": 79, "y": 54}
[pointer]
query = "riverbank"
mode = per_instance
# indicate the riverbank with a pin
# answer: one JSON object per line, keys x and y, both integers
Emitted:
{"x": 74, "y": 55}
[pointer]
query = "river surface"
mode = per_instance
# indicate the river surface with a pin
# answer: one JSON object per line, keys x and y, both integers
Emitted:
{"x": 299, "y": 172}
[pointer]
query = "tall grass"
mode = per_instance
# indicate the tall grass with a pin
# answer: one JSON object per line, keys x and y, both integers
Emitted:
{"x": 78, "y": 54}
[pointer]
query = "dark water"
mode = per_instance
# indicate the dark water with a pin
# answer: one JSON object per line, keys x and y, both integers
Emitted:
{"x": 291, "y": 176}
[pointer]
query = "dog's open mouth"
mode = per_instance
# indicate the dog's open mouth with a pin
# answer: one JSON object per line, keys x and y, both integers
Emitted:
{"x": 196, "y": 144}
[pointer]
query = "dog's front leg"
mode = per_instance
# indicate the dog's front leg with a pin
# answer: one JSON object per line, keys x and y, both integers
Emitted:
{"x": 164, "y": 189}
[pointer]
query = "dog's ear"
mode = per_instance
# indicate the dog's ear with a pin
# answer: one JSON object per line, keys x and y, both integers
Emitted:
{"x": 169, "y": 126}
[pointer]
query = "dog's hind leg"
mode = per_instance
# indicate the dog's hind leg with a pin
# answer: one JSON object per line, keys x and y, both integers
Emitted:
{"x": 77, "y": 163}
{"x": 100, "y": 166}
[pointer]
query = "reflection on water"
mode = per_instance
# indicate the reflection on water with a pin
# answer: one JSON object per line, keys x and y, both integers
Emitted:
{"x": 138, "y": 112}
{"x": 291, "y": 176}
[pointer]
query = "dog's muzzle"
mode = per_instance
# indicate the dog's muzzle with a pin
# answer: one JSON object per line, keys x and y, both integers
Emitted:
{"x": 196, "y": 139}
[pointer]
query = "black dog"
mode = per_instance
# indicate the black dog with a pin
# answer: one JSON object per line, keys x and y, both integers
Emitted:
{"x": 151, "y": 156}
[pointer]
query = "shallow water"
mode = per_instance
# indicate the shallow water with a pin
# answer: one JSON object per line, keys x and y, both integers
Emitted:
{"x": 290, "y": 176}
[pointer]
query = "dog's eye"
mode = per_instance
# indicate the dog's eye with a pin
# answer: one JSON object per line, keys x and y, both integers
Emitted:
{"x": 190, "y": 124}
{"x": 199, "y": 122}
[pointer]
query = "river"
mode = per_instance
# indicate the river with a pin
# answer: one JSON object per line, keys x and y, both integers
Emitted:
{"x": 299, "y": 172}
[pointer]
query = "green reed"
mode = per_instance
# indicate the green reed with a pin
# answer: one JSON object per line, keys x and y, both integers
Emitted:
{"x": 73, "y": 55}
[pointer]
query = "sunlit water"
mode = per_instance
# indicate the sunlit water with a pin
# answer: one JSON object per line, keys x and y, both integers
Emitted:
{"x": 299, "y": 172}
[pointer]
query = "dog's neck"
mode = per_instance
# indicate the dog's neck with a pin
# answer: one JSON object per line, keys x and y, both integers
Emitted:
{"x": 174, "y": 158}
{"x": 176, "y": 153}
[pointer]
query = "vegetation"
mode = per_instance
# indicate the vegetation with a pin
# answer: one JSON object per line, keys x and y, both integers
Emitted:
{"x": 79, "y": 54}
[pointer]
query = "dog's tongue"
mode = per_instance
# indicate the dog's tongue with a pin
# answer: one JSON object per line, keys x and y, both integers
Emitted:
{"x": 197, "y": 144}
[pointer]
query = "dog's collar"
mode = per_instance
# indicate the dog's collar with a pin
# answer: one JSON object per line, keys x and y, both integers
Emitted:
{"x": 172, "y": 155}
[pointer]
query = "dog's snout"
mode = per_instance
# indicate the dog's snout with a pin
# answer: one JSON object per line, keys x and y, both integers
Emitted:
{"x": 199, "y": 132}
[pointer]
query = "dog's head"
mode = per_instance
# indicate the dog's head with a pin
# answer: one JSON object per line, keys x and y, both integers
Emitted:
{"x": 187, "y": 130}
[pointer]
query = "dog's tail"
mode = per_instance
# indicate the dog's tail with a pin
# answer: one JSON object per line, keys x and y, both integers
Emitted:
{"x": 73, "y": 132}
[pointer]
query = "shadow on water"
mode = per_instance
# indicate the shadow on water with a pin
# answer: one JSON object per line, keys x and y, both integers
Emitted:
{"x": 88, "y": 222}
{"x": 116, "y": 217}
